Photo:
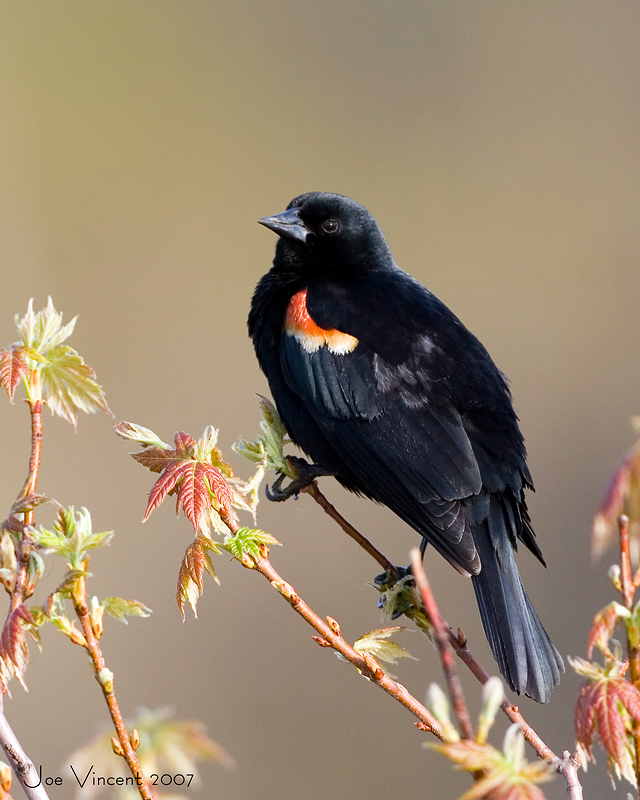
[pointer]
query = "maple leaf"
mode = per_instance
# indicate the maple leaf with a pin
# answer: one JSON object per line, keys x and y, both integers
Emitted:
{"x": 187, "y": 471}
{"x": 508, "y": 776}
{"x": 603, "y": 627}
{"x": 72, "y": 536}
{"x": 267, "y": 448}
{"x": 195, "y": 563}
{"x": 622, "y": 497}
{"x": 54, "y": 373}
{"x": 14, "y": 652}
{"x": 607, "y": 706}
{"x": 13, "y": 367}
{"x": 248, "y": 541}
{"x": 377, "y": 643}
{"x": 167, "y": 746}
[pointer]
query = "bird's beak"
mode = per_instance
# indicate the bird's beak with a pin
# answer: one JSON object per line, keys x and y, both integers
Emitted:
{"x": 288, "y": 225}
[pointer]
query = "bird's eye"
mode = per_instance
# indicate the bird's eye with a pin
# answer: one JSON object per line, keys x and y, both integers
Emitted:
{"x": 331, "y": 226}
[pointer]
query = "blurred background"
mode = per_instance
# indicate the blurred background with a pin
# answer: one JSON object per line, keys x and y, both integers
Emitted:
{"x": 497, "y": 144}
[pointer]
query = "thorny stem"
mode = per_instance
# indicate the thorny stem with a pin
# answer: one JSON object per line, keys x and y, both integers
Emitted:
{"x": 313, "y": 490}
{"x": 24, "y": 549}
{"x": 628, "y": 590}
{"x": 21, "y": 764}
{"x": 568, "y": 765}
{"x": 442, "y": 638}
{"x": 106, "y": 683}
{"x": 330, "y": 636}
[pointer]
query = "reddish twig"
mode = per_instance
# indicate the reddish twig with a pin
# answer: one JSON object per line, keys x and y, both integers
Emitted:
{"x": 330, "y": 636}
{"x": 30, "y": 485}
{"x": 459, "y": 644}
{"x": 442, "y": 638}
{"x": 105, "y": 679}
{"x": 314, "y": 490}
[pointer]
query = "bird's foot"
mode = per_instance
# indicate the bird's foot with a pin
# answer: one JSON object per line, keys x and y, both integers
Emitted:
{"x": 396, "y": 590}
{"x": 307, "y": 473}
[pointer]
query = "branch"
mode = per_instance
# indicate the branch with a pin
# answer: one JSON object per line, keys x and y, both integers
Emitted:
{"x": 21, "y": 764}
{"x": 313, "y": 490}
{"x": 105, "y": 678}
{"x": 330, "y": 636}
{"x": 24, "y": 549}
{"x": 444, "y": 645}
{"x": 458, "y": 642}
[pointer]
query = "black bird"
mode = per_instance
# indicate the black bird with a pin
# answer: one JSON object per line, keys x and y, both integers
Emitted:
{"x": 383, "y": 386}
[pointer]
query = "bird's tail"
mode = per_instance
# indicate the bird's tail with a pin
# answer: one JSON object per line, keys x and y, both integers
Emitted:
{"x": 528, "y": 661}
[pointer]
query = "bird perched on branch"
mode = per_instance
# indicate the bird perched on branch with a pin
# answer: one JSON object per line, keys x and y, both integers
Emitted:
{"x": 383, "y": 387}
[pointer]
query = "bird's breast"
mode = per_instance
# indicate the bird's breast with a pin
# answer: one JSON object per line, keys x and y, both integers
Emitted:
{"x": 312, "y": 337}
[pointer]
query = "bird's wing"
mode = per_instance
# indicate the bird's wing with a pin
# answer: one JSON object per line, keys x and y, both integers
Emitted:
{"x": 410, "y": 454}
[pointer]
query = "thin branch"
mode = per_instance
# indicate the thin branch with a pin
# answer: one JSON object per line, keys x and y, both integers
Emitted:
{"x": 105, "y": 679}
{"x": 567, "y": 766}
{"x": 313, "y": 490}
{"x": 459, "y": 644}
{"x": 442, "y": 638}
{"x": 21, "y": 764}
{"x": 330, "y": 636}
{"x": 30, "y": 485}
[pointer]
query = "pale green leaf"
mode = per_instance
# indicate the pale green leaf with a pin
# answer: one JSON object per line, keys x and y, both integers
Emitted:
{"x": 120, "y": 609}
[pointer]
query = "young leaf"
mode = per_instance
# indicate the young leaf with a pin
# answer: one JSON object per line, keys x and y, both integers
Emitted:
{"x": 120, "y": 609}
{"x": 622, "y": 497}
{"x": 249, "y": 541}
{"x": 376, "y": 643}
{"x": 200, "y": 487}
{"x": 507, "y": 776}
{"x": 268, "y": 447}
{"x": 136, "y": 433}
{"x": 72, "y": 536}
{"x": 603, "y": 627}
{"x": 13, "y": 367}
{"x": 14, "y": 652}
{"x": 58, "y": 374}
{"x": 607, "y": 706}
{"x": 195, "y": 563}
{"x": 167, "y": 746}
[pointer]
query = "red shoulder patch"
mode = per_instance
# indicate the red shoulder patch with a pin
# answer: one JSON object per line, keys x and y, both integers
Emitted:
{"x": 312, "y": 337}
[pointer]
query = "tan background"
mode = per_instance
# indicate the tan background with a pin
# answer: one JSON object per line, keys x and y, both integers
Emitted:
{"x": 496, "y": 142}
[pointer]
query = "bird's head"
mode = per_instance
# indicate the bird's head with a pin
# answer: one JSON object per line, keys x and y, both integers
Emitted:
{"x": 322, "y": 231}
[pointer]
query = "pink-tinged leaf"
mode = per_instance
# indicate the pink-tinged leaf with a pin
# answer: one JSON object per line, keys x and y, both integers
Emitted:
{"x": 155, "y": 458}
{"x": 14, "y": 652}
{"x": 603, "y": 627}
{"x": 184, "y": 445}
{"x": 13, "y": 367}
{"x": 608, "y": 708}
{"x": 622, "y": 497}
{"x": 195, "y": 563}
{"x": 171, "y": 475}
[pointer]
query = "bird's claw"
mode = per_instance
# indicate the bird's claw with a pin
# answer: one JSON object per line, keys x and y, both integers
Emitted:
{"x": 307, "y": 473}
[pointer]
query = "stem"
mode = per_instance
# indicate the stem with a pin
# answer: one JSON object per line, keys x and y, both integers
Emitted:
{"x": 80, "y": 604}
{"x": 330, "y": 636}
{"x": 442, "y": 638}
{"x": 313, "y": 490}
{"x": 459, "y": 643}
{"x": 24, "y": 548}
{"x": 21, "y": 764}
{"x": 567, "y": 766}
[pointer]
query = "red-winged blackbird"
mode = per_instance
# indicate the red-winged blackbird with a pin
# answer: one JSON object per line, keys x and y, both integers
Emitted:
{"x": 380, "y": 384}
